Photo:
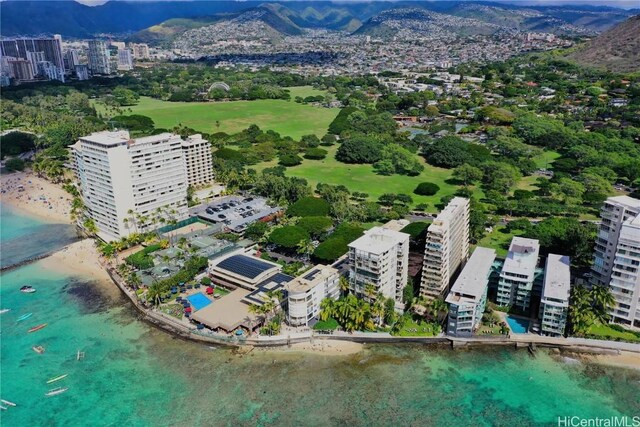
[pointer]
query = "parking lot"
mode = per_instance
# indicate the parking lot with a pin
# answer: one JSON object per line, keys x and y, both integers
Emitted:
{"x": 235, "y": 212}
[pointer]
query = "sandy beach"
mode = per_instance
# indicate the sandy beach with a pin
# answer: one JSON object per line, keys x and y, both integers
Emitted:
{"x": 326, "y": 347}
{"x": 625, "y": 359}
{"x": 35, "y": 196}
{"x": 81, "y": 259}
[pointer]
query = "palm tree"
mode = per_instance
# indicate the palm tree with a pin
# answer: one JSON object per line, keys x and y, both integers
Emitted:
{"x": 327, "y": 308}
{"x": 378, "y": 309}
{"x": 369, "y": 291}
{"x": 344, "y": 285}
{"x": 90, "y": 226}
{"x": 306, "y": 248}
{"x": 580, "y": 311}
{"x": 438, "y": 306}
{"x": 602, "y": 301}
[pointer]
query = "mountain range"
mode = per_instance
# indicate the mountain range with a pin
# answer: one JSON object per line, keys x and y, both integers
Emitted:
{"x": 617, "y": 49}
{"x": 159, "y": 22}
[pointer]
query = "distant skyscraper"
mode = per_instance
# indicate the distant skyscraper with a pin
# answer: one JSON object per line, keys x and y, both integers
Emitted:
{"x": 447, "y": 248}
{"x": 82, "y": 71}
{"x": 71, "y": 59}
{"x": 51, "y": 48}
{"x": 21, "y": 69}
{"x": 34, "y": 58}
{"x": 125, "y": 60}
{"x": 99, "y": 62}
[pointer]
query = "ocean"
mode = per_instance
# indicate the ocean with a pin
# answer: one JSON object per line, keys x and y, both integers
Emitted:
{"x": 135, "y": 375}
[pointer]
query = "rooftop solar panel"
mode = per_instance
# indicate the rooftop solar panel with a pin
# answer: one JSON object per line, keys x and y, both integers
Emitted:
{"x": 246, "y": 266}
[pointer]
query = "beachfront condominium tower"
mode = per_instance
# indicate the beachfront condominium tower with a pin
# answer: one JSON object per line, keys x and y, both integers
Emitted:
{"x": 379, "y": 258}
{"x": 518, "y": 274}
{"x": 199, "y": 160}
{"x": 468, "y": 296}
{"x": 625, "y": 274}
{"x": 99, "y": 59}
{"x": 126, "y": 182}
{"x": 447, "y": 248}
{"x": 614, "y": 212}
{"x": 306, "y": 292}
{"x": 554, "y": 301}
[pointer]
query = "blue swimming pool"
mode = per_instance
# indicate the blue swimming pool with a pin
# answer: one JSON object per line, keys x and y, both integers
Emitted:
{"x": 199, "y": 300}
{"x": 518, "y": 325}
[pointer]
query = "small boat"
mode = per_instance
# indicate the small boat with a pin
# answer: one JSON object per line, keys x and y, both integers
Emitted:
{"x": 3, "y": 408}
{"x": 37, "y": 328}
{"x": 4, "y": 310}
{"x": 24, "y": 317}
{"x": 6, "y": 402}
{"x": 38, "y": 349}
{"x": 58, "y": 378}
{"x": 56, "y": 391}
{"x": 27, "y": 289}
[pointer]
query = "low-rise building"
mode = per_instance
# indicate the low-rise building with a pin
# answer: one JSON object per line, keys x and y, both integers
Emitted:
{"x": 306, "y": 292}
{"x": 518, "y": 274}
{"x": 468, "y": 296}
{"x": 243, "y": 271}
{"x": 554, "y": 302}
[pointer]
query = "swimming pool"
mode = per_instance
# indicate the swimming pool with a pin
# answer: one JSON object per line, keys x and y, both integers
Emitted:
{"x": 518, "y": 325}
{"x": 199, "y": 300}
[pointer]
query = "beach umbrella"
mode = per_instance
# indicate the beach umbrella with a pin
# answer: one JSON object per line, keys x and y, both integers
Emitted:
{"x": 188, "y": 310}
{"x": 209, "y": 290}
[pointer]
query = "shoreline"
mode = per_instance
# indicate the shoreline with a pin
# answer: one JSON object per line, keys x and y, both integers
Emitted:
{"x": 37, "y": 197}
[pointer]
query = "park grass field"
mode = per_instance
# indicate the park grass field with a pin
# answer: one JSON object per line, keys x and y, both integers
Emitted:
{"x": 285, "y": 117}
{"x": 499, "y": 239}
{"x": 362, "y": 178}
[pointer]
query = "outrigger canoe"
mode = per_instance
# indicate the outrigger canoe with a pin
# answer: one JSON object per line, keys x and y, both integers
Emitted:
{"x": 37, "y": 328}
{"x": 58, "y": 378}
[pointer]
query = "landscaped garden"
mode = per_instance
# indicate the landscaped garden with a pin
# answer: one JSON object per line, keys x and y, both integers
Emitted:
{"x": 612, "y": 332}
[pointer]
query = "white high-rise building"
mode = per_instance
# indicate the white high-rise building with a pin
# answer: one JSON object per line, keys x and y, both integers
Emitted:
{"x": 554, "y": 301}
{"x": 34, "y": 58}
{"x": 125, "y": 182}
{"x": 125, "y": 60}
{"x": 379, "y": 258}
{"x": 99, "y": 58}
{"x": 468, "y": 296}
{"x": 614, "y": 212}
{"x": 71, "y": 59}
{"x": 199, "y": 160}
{"x": 82, "y": 71}
{"x": 447, "y": 248}
{"x": 306, "y": 292}
{"x": 625, "y": 274}
{"x": 518, "y": 273}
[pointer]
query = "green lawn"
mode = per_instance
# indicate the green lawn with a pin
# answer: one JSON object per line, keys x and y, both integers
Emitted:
{"x": 286, "y": 117}
{"x": 545, "y": 159}
{"x": 499, "y": 240}
{"x": 607, "y": 332}
{"x": 415, "y": 329}
{"x": 362, "y": 178}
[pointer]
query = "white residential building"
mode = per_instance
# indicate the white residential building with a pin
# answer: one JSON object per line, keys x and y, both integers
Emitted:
{"x": 554, "y": 301}
{"x": 306, "y": 292}
{"x": 447, "y": 248}
{"x": 379, "y": 258}
{"x": 614, "y": 212}
{"x": 468, "y": 296}
{"x": 518, "y": 273}
{"x": 118, "y": 174}
{"x": 82, "y": 71}
{"x": 199, "y": 160}
{"x": 125, "y": 60}
{"x": 99, "y": 57}
{"x": 625, "y": 275}
{"x": 140, "y": 50}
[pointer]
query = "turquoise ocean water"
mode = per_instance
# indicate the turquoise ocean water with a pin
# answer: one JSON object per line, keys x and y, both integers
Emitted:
{"x": 135, "y": 375}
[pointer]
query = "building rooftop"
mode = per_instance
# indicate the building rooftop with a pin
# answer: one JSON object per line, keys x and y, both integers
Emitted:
{"x": 472, "y": 282}
{"x": 557, "y": 277}
{"x": 245, "y": 266}
{"x": 108, "y": 138}
{"x": 447, "y": 214}
{"x": 273, "y": 283}
{"x": 310, "y": 279}
{"x": 378, "y": 240}
{"x": 626, "y": 201}
{"x": 523, "y": 256}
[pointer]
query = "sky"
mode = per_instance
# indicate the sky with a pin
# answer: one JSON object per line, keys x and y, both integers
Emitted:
{"x": 625, "y": 4}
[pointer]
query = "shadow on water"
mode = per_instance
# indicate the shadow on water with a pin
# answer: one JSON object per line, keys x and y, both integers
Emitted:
{"x": 46, "y": 238}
